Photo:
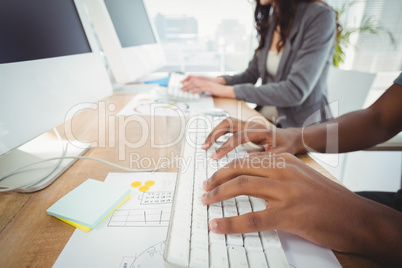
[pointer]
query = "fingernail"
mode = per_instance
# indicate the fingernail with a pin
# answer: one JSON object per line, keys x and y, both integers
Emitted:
{"x": 213, "y": 225}
{"x": 214, "y": 156}
{"x": 204, "y": 196}
{"x": 247, "y": 155}
{"x": 204, "y": 146}
{"x": 205, "y": 183}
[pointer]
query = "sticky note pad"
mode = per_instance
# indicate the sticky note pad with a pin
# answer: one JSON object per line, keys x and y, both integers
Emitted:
{"x": 88, "y": 204}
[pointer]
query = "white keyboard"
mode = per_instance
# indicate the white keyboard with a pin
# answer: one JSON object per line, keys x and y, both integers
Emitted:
{"x": 174, "y": 89}
{"x": 189, "y": 242}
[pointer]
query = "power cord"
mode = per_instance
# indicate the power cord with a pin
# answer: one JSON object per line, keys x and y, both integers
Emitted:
{"x": 26, "y": 187}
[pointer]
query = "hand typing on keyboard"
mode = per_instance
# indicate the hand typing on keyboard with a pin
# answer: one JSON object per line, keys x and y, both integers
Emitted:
{"x": 215, "y": 86}
{"x": 299, "y": 201}
{"x": 234, "y": 223}
{"x": 271, "y": 139}
{"x": 174, "y": 89}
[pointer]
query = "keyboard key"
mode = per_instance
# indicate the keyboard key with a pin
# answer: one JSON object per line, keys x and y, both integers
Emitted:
{"x": 217, "y": 204}
{"x": 199, "y": 226}
{"x": 270, "y": 239}
{"x": 258, "y": 204}
{"x": 218, "y": 256}
{"x": 244, "y": 207}
{"x": 234, "y": 239}
{"x": 251, "y": 234}
{"x": 242, "y": 198}
{"x": 214, "y": 212}
{"x": 257, "y": 260}
{"x": 253, "y": 243}
{"x": 229, "y": 202}
{"x": 276, "y": 258}
{"x": 200, "y": 212}
{"x": 200, "y": 240}
{"x": 199, "y": 257}
{"x": 230, "y": 211}
{"x": 217, "y": 239}
{"x": 237, "y": 257}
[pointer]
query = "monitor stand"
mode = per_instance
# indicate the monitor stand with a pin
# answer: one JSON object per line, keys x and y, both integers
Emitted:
{"x": 34, "y": 151}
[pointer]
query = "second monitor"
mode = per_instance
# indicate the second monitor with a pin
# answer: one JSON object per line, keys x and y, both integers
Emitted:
{"x": 127, "y": 37}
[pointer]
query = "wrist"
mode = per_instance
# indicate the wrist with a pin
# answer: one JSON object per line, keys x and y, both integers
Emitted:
{"x": 220, "y": 80}
{"x": 297, "y": 140}
{"x": 229, "y": 92}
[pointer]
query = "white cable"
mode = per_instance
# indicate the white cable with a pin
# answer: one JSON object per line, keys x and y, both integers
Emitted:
{"x": 23, "y": 169}
{"x": 63, "y": 157}
{"x": 85, "y": 158}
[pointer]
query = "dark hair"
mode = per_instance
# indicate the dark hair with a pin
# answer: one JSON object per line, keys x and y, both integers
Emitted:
{"x": 285, "y": 12}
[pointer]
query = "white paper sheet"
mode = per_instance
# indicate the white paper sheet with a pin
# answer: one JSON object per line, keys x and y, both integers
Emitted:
{"x": 134, "y": 235}
{"x": 138, "y": 240}
{"x": 157, "y": 105}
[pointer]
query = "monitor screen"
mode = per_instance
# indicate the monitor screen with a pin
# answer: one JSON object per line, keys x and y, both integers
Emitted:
{"x": 31, "y": 30}
{"x": 131, "y": 22}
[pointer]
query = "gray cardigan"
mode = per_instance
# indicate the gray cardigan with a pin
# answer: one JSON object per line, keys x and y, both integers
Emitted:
{"x": 299, "y": 89}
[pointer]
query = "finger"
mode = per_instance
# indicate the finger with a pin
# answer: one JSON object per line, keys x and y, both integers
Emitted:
{"x": 247, "y": 223}
{"x": 269, "y": 166}
{"x": 221, "y": 129}
{"x": 196, "y": 90}
{"x": 235, "y": 140}
{"x": 188, "y": 78}
{"x": 188, "y": 86}
{"x": 267, "y": 150}
{"x": 242, "y": 185}
{"x": 224, "y": 127}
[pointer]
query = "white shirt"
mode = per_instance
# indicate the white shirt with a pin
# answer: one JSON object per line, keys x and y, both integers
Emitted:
{"x": 273, "y": 60}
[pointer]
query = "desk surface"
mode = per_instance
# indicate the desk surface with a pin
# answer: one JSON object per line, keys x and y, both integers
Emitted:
{"x": 29, "y": 237}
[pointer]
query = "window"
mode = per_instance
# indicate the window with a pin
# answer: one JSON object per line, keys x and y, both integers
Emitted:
{"x": 204, "y": 36}
{"x": 219, "y": 36}
{"x": 374, "y": 52}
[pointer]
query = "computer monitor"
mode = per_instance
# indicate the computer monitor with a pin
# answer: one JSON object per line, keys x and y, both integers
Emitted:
{"x": 49, "y": 62}
{"x": 128, "y": 38}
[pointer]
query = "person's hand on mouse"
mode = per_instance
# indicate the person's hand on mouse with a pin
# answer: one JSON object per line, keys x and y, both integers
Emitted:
{"x": 215, "y": 86}
{"x": 301, "y": 201}
{"x": 272, "y": 139}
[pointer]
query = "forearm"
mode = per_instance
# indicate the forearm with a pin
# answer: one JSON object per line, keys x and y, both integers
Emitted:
{"x": 356, "y": 130}
{"x": 351, "y": 132}
{"x": 378, "y": 233}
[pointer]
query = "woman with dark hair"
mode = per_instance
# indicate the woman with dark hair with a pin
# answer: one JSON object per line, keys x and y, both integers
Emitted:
{"x": 296, "y": 44}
